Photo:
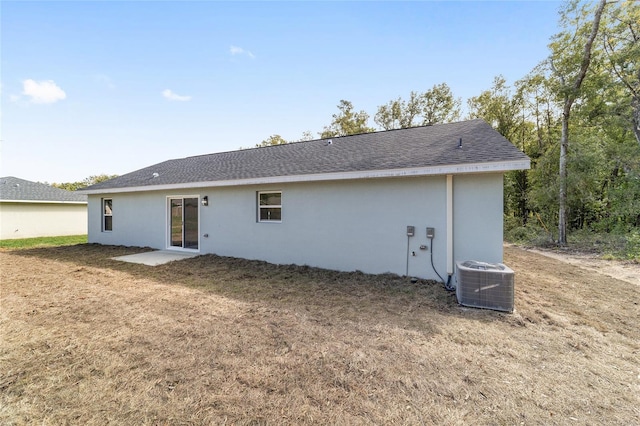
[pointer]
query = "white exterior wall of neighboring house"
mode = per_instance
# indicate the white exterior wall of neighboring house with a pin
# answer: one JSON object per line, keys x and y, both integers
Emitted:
{"x": 343, "y": 225}
{"x": 41, "y": 219}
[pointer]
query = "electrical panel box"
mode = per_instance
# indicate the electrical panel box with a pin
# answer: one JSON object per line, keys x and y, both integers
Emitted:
{"x": 430, "y": 232}
{"x": 411, "y": 230}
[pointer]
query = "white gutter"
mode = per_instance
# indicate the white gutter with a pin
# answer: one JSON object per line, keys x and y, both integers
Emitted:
{"x": 492, "y": 167}
{"x": 449, "y": 225}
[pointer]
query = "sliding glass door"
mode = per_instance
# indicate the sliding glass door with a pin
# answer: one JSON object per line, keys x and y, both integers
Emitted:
{"x": 183, "y": 223}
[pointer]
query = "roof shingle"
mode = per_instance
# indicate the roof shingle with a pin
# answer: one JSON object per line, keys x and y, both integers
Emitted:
{"x": 14, "y": 189}
{"x": 415, "y": 147}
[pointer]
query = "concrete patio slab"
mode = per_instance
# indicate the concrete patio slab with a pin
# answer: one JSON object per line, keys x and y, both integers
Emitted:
{"x": 154, "y": 258}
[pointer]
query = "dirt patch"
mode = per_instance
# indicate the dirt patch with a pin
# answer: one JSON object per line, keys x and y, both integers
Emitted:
{"x": 621, "y": 270}
{"x": 211, "y": 340}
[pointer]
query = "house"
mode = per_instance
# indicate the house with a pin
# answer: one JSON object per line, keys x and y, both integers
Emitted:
{"x": 393, "y": 201}
{"x": 31, "y": 209}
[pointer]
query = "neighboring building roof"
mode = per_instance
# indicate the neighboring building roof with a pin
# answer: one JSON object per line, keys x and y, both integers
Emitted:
{"x": 20, "y": 190}
{"x": 428, "y": 150}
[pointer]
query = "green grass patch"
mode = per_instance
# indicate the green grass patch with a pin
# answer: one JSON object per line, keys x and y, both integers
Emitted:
{"x": 27, "y": 243}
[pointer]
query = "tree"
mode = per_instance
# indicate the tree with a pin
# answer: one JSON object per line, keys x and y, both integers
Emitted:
{"x": 279, "y": 140}
{"x": 439, "y": 105}
{"x": 505, "y": 112}
{"x": 621, "y": 43}
{"x": 436, "y": 105}
{"x": 91, "y": 180}
{"x": 569, "y": 62}
{"x": 602, "y": 185}
{"x": 538, "y": 102}
{"x": 347, "y": 122}
{"x": 398, "y": 114}
{"x": 272, "y": 140}
{"x": 306, "y": 136}
{"x": 498, "y": 107}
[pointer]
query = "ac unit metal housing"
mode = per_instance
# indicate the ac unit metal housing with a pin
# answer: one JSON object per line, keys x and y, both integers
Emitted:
{"x": 485, "y": 285}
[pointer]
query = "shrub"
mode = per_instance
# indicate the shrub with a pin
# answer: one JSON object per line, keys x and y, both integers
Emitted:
{"x": 530, "y": 234}
{"x": 632, "y": 247}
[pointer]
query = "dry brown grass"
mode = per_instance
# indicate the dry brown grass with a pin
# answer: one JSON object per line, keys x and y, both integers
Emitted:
{"x": 211, "y": 340}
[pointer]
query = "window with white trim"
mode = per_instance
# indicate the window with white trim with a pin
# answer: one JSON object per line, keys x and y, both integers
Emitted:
{"x": 270, "y": 206}
{"x": 107, "y": 214}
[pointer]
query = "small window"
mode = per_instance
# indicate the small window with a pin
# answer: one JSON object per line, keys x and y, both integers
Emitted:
{"x": 269, "y": 206}
{"x": 107, "y": 214}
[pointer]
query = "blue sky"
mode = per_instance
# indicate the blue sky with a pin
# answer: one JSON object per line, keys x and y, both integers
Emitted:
{"x": 111, "y": 87}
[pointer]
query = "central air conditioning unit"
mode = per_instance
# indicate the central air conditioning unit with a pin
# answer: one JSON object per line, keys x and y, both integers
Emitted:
{"x": 485, "y": 285}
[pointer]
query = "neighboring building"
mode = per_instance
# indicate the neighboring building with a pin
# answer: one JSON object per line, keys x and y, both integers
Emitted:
{"x": 342, "y": 203}
{"x": 32, "y": 209}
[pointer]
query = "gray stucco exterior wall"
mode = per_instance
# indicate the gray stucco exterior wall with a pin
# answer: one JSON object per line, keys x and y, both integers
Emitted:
{"x": 343, "y": 225}
{"x": 478, "y": 217}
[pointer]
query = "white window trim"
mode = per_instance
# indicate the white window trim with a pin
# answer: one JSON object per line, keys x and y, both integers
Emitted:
{"x": 104, "y": 215}
{"x": 274, "y": 206}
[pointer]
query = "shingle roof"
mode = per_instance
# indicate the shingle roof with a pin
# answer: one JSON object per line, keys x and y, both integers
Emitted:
{"x": 415, "y": 147}
{"x": 14, "y": 189}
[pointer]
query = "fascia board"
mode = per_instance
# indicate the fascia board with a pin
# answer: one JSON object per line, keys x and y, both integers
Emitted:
{"x": 491, "y": 167}
{"x": 42, "y": 202}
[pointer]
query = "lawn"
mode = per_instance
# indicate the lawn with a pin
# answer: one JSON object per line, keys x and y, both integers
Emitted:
{"x": 23, "y": 243}
{"x": 213, "y": 340}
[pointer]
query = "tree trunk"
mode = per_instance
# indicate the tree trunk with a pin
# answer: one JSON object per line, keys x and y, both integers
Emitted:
{"x": 564, "y": 138}
{"x": 635, "y": 103}
{"x": 564, "y": 148}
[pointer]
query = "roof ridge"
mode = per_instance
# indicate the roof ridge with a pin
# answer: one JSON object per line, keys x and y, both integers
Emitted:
{"x": 253, "y": 148}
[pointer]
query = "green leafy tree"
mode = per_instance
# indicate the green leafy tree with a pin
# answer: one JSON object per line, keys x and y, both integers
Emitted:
{"x": 602, "y": 192}
{"x": 400, "y": 114}
{"x": 506, "y": 113}
{"x": 540, "y": 108}
{"x": 347, "y": 122}
{"x": 279, "y": 140}
{"x": 609, "y": 109}
{"x": 306, "y": 136}
{"x": 272, "y": 140}
{"x": 439, "y": 105}
{"x": 542, "y": 113}
{"x": 436, "y": 105}
{"x": 569, "y": 62}
{"x": 621, "y": 45}
{"x": 91, "y": 180}
{"x": 498, "y": 107}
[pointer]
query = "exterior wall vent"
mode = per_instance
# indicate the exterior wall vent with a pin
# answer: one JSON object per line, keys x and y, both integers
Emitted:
{"x": 485, "y": 285}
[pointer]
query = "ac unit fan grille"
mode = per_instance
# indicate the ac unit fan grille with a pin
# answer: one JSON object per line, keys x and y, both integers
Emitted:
{"x": 483, "y": 285}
